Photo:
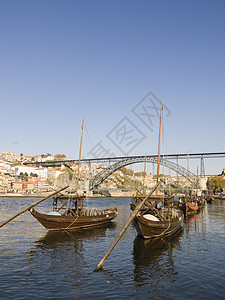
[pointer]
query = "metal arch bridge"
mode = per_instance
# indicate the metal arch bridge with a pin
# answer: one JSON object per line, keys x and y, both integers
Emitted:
{"x": 101, "y": 176}
{"x": 58, "y": 163}
{"x": 120, "y": 162}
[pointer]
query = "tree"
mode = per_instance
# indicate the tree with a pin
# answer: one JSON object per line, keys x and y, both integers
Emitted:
{"x": 141, "y": 174}
{"x": 33, "y": 175}
{"x": 60, "y": 156}
{"x": 70, "y": 173}
{"x": 126, "y": 171}
{"x": 215, "y": 183}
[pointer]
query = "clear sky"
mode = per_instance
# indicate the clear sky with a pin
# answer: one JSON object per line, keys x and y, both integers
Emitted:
{"x": 111, "y": 62}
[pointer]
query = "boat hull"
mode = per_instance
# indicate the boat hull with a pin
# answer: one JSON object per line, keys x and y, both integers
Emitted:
{"x": 153, "y": 229}
{"x": 69, "y": 222}
{"x": 192, "y": 209}
{"x": 188, "y": 209}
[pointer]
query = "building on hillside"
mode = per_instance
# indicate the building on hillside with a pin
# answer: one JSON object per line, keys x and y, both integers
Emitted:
{"x": 5, "y": 167}
{"x": 39, "y": 171}
{"x": 48, "y": 158}
{"x": 9, "y": 156}
{"x": 203, "y": 183}
{"x": 33, "y": 186}
{"x": 38, "y": 158}
{"x": 5, "y": 182}
{"x": 24, "y": 169}
{"x": 27, "y": 158}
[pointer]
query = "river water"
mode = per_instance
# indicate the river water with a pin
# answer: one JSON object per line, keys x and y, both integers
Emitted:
{"x": 36, "y": 264}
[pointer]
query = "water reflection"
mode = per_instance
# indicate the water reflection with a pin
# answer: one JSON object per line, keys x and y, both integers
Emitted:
{"x": 55, "y": 239}
{"x": 153, "y": 259}
{"x": 191, "y": 220}
{"x": 197, "y": 222}
{"x": 67, "y": 253}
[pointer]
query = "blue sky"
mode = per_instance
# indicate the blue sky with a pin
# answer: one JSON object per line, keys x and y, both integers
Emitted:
{"x": 61, "y": 61}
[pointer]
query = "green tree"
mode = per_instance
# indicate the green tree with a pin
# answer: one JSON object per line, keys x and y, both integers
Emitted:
{"x": 215, "y": 183}
{"x": 70, "y": 173}
{"x": 60, "y": 156}
{"x": 21, "y": 157}
{"x": 126, "y": 171}
{"x": 141, "y": 174}
{"x": 33, "y": 175}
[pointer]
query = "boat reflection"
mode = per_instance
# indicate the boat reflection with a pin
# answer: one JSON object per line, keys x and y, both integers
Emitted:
{"x": 191, "y": 220}
{"x": 55, "y": 239}
{"x": 154, "y": 259}
{"x": 196, "y": 223}
{"x": 65, "y": 250}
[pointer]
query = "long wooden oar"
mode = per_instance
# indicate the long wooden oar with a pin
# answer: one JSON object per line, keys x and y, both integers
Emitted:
{"x": 133, "y": 214}
{"x": 32, "y": 205}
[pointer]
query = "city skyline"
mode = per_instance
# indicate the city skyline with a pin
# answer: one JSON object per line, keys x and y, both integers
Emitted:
{"x": 112, "y": 62}
{"x": 177, "y": 165}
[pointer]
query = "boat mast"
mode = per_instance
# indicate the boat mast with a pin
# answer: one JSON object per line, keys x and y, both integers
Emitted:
{"x": 143, "y": 184}
{"x": 187, "y": 190}
{"x": 160, "y": 128}
{"x": 78, "y": 170}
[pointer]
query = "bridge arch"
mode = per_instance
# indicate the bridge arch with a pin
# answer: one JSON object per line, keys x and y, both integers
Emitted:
{"x": 101, "y": 176}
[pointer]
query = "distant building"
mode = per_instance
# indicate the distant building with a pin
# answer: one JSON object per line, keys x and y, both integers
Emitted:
{"x": 48, "y": 158}
{"x": 203, "y": 183}
{"x": 27, "y": 158}
{"x": 24, "y": 169}
{"x": 38, "y": 158}
{"x": 5, "y": 166}
{"x": 9, "y": 156}
{"x": 35, "y": 185}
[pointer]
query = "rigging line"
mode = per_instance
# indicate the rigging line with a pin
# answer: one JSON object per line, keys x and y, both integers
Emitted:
{"x": 71, "y": 223}
{"x": 163, "y": 144}
{"x": 88, "y": 135}
{"x": 166, "y": 149}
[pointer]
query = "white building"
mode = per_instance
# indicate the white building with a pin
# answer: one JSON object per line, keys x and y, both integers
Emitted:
{"x": 203, "y": 182}
{"x": 4, "y": 165}
{"x": 41, "y": 172}
{"x": 9, "y": 156}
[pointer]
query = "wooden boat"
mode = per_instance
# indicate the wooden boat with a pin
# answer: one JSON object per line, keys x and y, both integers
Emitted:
{"x": 189, "y": 205}
{"x": 73, "y": 215}
{"x": 156, "y": 221}
{"x": 68, "y": 212}
{"x": 192, "y": 208}
{"x": 201, "y": 202}
{"x": 160, "y": 200}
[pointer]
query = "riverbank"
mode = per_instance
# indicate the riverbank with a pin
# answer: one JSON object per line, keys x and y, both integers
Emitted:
{"x": 23, "y": 195}
{"x": 88, "y": 195}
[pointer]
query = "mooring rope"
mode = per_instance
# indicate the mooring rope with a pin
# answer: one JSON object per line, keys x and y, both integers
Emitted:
{"x": 71, "y": 223}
